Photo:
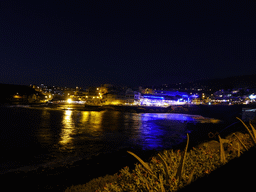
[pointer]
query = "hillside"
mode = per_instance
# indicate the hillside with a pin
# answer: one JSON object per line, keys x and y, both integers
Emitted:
{"x": 7, "y": 90}
{"x": 243, "y": 81}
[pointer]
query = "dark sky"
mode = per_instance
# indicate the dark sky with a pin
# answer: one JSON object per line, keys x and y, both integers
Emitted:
{"x": 75, "y": 43}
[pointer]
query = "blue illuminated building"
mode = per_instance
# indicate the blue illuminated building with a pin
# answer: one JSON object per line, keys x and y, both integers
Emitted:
{"x": 172, "y": 93}
{"x": 164, "y": 98}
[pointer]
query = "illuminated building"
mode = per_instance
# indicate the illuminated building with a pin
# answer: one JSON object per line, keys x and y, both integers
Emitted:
{"x": 113, "y": 99}
{"x": 160, "y": 101}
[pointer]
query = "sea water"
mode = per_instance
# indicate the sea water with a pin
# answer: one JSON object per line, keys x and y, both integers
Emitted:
{"x": 30, "y": 138}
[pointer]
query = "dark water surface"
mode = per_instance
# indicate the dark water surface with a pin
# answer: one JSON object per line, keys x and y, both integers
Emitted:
{"x": 46, "y": 137}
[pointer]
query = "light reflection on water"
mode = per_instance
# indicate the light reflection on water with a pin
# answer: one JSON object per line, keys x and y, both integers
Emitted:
{"x": 67, "y": 130}
{"x": 81, "y": 125}
{"x": 105, "y": 130}
{"x": 59, "y": 134}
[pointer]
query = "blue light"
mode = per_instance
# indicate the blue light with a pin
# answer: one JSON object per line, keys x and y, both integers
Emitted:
{"x": 152, "y": 132}
{"x": 154, "y": 97}
{"x": 252, "y": 96}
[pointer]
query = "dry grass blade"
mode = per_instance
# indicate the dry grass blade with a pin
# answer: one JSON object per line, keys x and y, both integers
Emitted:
{"x": 191, "y": 176}
{"x": 142, "y": 162}
{"x": 240, "y": 142}
{"x": 148, "y": 189}
{"x": 222, "y": 153}
{"x": 161, "y": 183}
{"x": 180, "y": 168}
{"x": 248, "y": 130}
{"x": 166, "y": 168}
{"x": 253, "y": 130}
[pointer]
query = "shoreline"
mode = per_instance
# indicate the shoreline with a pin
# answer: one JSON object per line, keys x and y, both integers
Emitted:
{"x": 227, "y": 113}
{"x": 222, "y": 112}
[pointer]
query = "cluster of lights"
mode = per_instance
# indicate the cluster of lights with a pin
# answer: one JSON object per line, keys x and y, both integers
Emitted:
{"x": 252, "y": 96}
{"x": 160, "y": 102}
{"x": 70, "y": 101}
{"x": 224, "y": 100}
{"x": 154, "y": 97}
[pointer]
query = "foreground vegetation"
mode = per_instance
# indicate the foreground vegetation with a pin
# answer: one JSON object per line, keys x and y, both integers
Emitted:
{"x": 171, "y": 170}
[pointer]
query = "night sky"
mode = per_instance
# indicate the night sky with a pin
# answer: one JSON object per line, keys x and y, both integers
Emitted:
{"x": 76, "y": 43}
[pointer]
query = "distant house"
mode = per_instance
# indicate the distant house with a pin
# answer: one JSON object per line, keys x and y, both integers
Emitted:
{"x": 137, "y": 96}
{"x": 114, "y": 99}
{"x": 129, "y": 96}
{"x": 146, "y": 90}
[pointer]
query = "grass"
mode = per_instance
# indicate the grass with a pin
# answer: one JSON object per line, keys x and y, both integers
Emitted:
{"x": 172, "y": 170}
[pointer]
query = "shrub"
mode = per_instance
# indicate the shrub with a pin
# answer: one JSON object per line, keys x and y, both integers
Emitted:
{"x": 171, "y": 170}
